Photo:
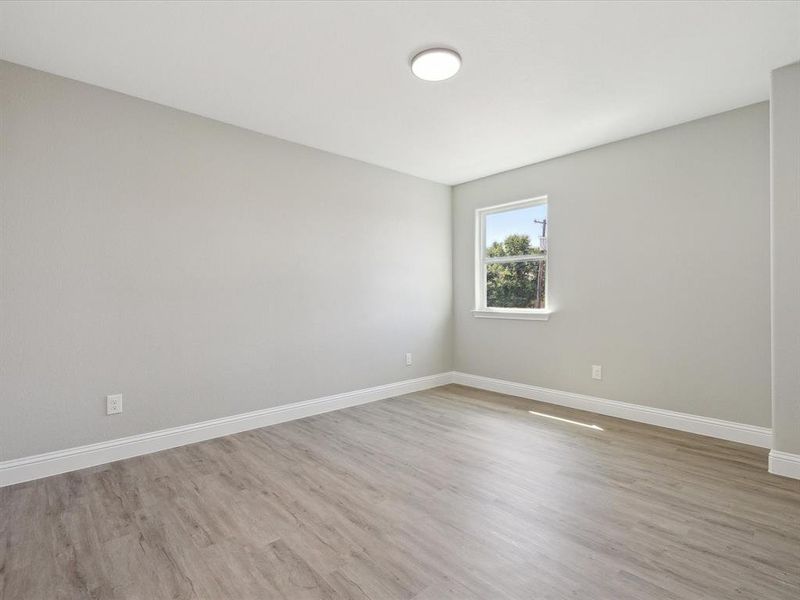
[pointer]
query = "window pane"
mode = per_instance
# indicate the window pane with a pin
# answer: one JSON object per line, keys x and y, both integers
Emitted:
{"x": 517, "y": 232}
{"x": 515, "y": 284}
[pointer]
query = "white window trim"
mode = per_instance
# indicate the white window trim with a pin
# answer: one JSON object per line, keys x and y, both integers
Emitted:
{"x": 481, "y": 310}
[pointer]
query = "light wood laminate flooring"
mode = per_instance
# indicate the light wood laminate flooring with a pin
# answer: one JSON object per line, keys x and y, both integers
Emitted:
{"x": 452, "y": 493}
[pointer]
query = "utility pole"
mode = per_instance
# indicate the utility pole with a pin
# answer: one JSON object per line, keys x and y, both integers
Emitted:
{"x": 539, "y": 274}
{"x": 543, "y": 223}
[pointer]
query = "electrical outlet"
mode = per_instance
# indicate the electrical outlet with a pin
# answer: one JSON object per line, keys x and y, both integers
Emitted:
{"x": 597, "y": 371}
{"x": 114, "y": 404}
{"x": 409, "y": 359}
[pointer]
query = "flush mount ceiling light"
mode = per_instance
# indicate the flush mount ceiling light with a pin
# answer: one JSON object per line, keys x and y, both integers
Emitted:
{"x": 436, "y": 64}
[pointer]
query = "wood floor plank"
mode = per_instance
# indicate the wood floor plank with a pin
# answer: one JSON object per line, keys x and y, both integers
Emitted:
{"x": 451, "y": 493}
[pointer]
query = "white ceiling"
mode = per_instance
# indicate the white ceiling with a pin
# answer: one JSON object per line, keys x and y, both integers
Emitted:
{"x": 539, "y": 79}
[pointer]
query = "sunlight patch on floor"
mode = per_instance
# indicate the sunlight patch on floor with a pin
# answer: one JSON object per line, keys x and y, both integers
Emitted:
{"x": 596, "y": 427}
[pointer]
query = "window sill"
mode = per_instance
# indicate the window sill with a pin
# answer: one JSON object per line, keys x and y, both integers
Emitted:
{"x": 518, "y": 314}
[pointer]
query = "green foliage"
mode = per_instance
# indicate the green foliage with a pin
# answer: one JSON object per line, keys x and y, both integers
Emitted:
{"x": 515, "y": 284}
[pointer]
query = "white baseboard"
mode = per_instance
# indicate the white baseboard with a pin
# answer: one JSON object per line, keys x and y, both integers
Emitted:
{"x": 784, "y": 463}
{"x": 71, "y": 459}
{"x": 726, "y": 430}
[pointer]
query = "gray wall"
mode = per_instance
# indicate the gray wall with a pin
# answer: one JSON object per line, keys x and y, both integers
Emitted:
{"x": 200, "y": 269}
{"x": 659, "y": 271}
{"x": 204, "y": 270}
{"x": 785, "y": 124}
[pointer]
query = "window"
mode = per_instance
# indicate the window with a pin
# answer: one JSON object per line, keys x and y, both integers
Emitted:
{"x": 511, "y": 260}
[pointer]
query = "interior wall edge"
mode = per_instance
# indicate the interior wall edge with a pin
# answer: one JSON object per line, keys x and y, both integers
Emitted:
{"x": 785, "y": 464}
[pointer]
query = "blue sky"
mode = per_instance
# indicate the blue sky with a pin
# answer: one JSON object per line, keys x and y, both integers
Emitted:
{"x": 500, "y": 225}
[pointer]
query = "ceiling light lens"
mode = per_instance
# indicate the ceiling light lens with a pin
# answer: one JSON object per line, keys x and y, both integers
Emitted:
{"x": 436, "y": 64}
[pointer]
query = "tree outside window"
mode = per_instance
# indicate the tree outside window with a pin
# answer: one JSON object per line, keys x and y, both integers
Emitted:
{"x": 513, "y": 263}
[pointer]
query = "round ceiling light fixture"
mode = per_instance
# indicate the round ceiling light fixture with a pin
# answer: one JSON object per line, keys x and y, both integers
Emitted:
{"x": 436, "y": 64}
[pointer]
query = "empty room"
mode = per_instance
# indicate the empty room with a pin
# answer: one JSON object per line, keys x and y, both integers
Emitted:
{"x": 364, "y": 300}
